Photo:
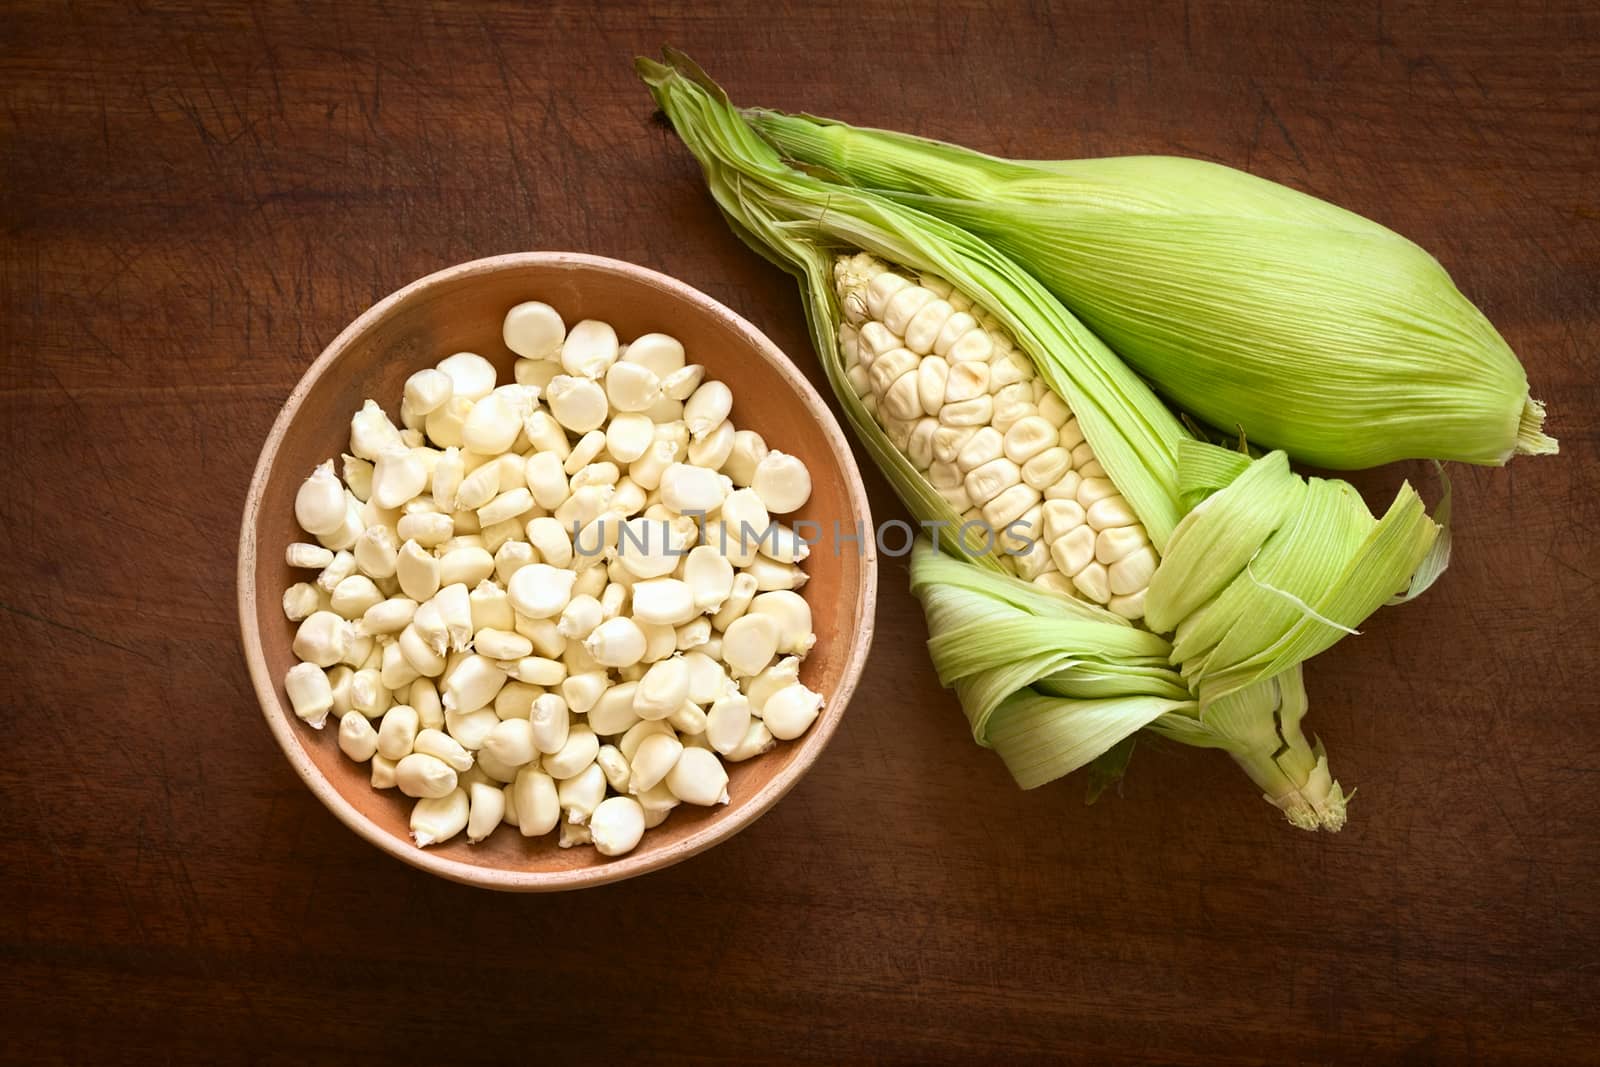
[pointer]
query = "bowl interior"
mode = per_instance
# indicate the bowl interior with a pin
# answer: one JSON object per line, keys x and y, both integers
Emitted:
{"x": 461, "y": 310}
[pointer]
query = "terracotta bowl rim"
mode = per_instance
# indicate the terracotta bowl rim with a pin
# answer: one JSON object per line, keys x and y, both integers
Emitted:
{"x": 283, "y": 724}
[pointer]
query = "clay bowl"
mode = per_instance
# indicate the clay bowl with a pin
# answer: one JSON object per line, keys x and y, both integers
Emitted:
{"x": 461, "y": 308}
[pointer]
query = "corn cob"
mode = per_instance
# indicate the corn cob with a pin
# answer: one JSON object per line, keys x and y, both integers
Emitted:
{"x": 1256, "y": 569}
{"x": 952, "y": 392}
{"x": 1252, "y": 306}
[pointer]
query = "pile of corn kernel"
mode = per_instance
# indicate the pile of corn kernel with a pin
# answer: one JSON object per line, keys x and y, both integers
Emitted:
{"x": 557, "y": 603}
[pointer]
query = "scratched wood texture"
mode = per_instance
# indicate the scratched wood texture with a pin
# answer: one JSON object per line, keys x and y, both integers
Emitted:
{"x": 197, "y": 197}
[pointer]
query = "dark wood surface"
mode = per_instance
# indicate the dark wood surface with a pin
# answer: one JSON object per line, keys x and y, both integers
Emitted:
{"x": 197, "y": 197}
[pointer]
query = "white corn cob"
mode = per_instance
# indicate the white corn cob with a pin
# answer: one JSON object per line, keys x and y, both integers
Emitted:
{"x": 967, "y": 408}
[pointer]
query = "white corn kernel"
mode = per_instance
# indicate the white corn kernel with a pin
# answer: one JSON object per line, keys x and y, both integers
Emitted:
{"x": 1130, "y": 606}
{"x": 540, "y": 590}
{"x": 382, "y": 771}
{"x": 582, "y": 690}
{"x": 371, "y": 432}
{"x": 698, "y": 777}
{"x": 660, "y": 641}
{"x": 574, "y": 834}
{"x": 487, "y": 808}
{"x": 629, "y": 434}
{"x": 396, "y": 672}
{"x": 427, "y": 529}
{"x": 309, "y": 692}
{"x": 515, "y": 700}
{"x": 707, "y": 408}
{"x": 550, "y": 538}
{"x": 681, "y": 383}
{"x": 582, "y": 793}
{"x": 617, "y": 825}
{"x": 662, "y": 354}
{"x": 1074, "y": 550}
{"x": 709, "y": 576}
{"x": 689, "y": 721}
{"x": 617, "y": 642}
{"x": 376, "y": 553}
{"x": 713, "y": 449}
{"x": 579, "y": 752}
{"x": 749, "y": 643}
{"x": 632, "y": 387}
{"x": 432, "y": 741}
{"x": 320, "y": 504}
{"x": 757, "y": 690}
{"x": 663, "y": 602}
{"x": 584, "y": 452}
{"x": 662, "y": 690}
{"x": 423, "y": 657}
{"x": 550, "y": 723}
{"x": 471, "y": 376}
{"x": 708, "y": 681}
{"x": 923, "y": 331}
{"x": 577, "y": 403}
{"x": 770, "y": 574}
{"x": 1112, "y": 511}
{"x": 782, "y": 482}
{"x": 506, "y": 506}
{"x": 534, "y": 331}
{"x": 357, "y": 477}
{"x": 301, "y": 600}
{"x": 397, "y": 734}
{"x": 538, "y": 806}
{"x": 693, "y": 634}
{"x": 477, "y": 488}
{"x": 579, "y": 618}
{"x": 793, "y": 616}
{"x": 443, "y": 424}
{"x": 472, "y": 685}
{"x": 397, "y": 477}
{"x": 470, "y": 728}
{"x": 354, "y": 595}
{"x": 738, "y": 602}
{"x": 538, "y": 670}
{"x": 427, "y": 390}
{"x": 688, "y": 489}
{"x": 357, "y": 738}
{"x": 545, "y": 434}
{"x": 437, "y": 819}
{"x": 1119, "y": 542}
{"x": 985, "y": 482}
{"x": 589, "y": 348}
{"x": 547, "y": 480}
{"x": 749, "y": 449}
{"x": 757, "y": 740}
{"x": 613, "y": 713}
{"x": 307, "y": 556}
{"x": 727, "y": 722}
{"x": 420, "y": 775}
{"x": 422, "y": 696}
{"x": 323, "y": 638}
{"x": 654, "y": 759}
{"x": 501, "y": 644}
{"x": 1094, "y": 582}
{"x": 511, "y": 741}
{"x": 1061, "y": 517}
{"x": 368, "y": 694}
{"x": 1132, "y": 573}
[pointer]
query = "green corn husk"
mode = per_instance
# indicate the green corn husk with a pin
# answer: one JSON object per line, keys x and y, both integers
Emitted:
{"x": 1287, "y": 566}
{"x": 1252, "y": 306}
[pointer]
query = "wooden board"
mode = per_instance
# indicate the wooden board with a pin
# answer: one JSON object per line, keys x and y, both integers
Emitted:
{"x": 196, "y": 198}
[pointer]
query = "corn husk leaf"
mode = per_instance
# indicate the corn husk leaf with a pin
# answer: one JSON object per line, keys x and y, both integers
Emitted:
{"x": 1251, "y": 305}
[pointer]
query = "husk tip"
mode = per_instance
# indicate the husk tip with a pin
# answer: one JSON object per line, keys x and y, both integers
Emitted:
{"x": 1531, "y": 438}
